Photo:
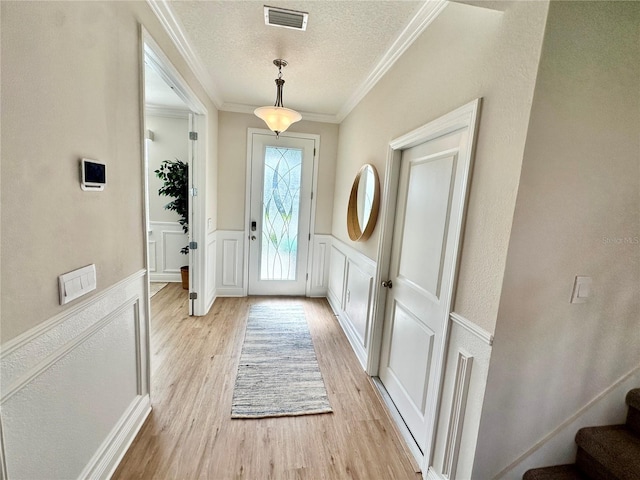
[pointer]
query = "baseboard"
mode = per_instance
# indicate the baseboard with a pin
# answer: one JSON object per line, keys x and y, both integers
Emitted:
{"x": 165, "y": 277}
{"x": 230, "y": 292}
{"x": 110, "y": 454}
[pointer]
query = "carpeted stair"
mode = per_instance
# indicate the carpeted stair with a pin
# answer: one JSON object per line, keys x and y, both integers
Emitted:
{"x": 604, "y": 453}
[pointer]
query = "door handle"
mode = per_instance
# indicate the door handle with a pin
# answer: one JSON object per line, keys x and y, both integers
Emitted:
{"x": 253, "y": 237}
{"x": 387, "y": 284}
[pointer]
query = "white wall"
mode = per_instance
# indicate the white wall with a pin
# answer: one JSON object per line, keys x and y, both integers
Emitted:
{"x": 170, "y": 142}
{"x": 166, "y": 237}
{"x": 577, "y": 213}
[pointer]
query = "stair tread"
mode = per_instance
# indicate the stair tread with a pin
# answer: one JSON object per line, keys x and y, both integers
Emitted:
{"x": 615, "y": 447}
{"x": 557, "y": 472}
{"x": 633, "y": 398}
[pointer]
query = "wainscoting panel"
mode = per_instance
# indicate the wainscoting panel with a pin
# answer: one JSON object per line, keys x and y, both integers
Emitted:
{"x": 165, "y": 241}
{"x": 319, "y": 275}
{"x": 357, "y": 297}
{"x": 350, "y": 292}
{"x": 465, "y": 377}
{"x": 230, "y": 273}
{"x": 75, "y": 388}
{"x": 337, "y": 271}
{"x": 210, "y": 280}
{"x": 173, "y": 242}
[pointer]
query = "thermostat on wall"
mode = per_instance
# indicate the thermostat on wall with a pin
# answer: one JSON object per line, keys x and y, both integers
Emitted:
{"x": 93, "y": 175}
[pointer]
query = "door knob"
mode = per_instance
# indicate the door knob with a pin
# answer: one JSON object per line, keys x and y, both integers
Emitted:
{"x": 253, "y": 237}
{"x": 387, "y": 284}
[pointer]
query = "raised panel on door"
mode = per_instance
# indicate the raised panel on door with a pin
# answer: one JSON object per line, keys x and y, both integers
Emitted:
{"x": 426, "y": 221}
{"x": 410, "y": 335}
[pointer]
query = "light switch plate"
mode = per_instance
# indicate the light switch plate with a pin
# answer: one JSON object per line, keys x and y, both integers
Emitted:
{"x": 76, "y": 283}
{"x": 581, "y": 289}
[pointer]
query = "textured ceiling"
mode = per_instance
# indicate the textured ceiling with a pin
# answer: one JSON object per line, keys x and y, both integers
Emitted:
{"x": 343, "y": 43}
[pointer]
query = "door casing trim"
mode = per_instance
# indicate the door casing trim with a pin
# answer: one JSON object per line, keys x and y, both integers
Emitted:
{"x": 199, "y": 122}
{"x": 466, "y": 116}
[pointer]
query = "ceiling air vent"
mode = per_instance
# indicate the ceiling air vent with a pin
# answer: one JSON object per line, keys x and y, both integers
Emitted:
{"x": 283, "y": 17}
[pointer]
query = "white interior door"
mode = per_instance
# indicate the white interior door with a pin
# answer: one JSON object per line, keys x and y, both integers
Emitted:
{"x": 280, "y": 213}
{"x": 429, "y": 214}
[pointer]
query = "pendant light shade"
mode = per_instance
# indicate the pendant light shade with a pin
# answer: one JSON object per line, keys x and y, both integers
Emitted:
{"x": 278, "y": 118}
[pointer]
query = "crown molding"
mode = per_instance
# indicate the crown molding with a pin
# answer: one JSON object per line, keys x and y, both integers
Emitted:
{"x": 173, "y": 27}
{"x": 427, "y": 13}
{"x": 308, "y": 116}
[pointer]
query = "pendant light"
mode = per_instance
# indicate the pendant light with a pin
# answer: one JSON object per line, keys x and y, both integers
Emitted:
{"x": 278, "y": 118}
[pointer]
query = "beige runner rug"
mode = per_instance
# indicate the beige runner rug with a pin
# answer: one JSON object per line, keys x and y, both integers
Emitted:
{"x": 278, "y": 374}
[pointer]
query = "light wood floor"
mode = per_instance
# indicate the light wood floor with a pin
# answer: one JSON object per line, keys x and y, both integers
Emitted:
{"x": 190, "y": 433}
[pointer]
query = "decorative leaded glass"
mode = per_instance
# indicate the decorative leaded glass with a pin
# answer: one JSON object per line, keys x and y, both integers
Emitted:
{"x": 280, "y": 211}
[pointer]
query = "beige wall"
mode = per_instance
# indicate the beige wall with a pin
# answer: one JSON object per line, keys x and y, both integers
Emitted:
{"x": 171, "y": 141}
{"x": 467, "y": 52}
{"x": 577, "y": 213}
{"x": 233, "y": 164}
{"x": 71, "y": 89}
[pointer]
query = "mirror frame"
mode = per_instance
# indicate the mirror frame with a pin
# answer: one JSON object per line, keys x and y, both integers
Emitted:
{"x": 353, "y": 225}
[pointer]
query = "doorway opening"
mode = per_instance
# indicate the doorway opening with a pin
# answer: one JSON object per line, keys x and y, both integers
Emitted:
{"x": 175, "y": 129}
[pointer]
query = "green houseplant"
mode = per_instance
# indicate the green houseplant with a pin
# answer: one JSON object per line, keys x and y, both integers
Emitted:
{"x": 175, "y": 177}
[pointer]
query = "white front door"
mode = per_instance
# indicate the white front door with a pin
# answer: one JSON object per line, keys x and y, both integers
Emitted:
{"x": 280, "y": 213}
{"x": 428, "y": 218}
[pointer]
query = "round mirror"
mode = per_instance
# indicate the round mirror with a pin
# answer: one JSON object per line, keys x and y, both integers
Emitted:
{"x": 364, "y": 202}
